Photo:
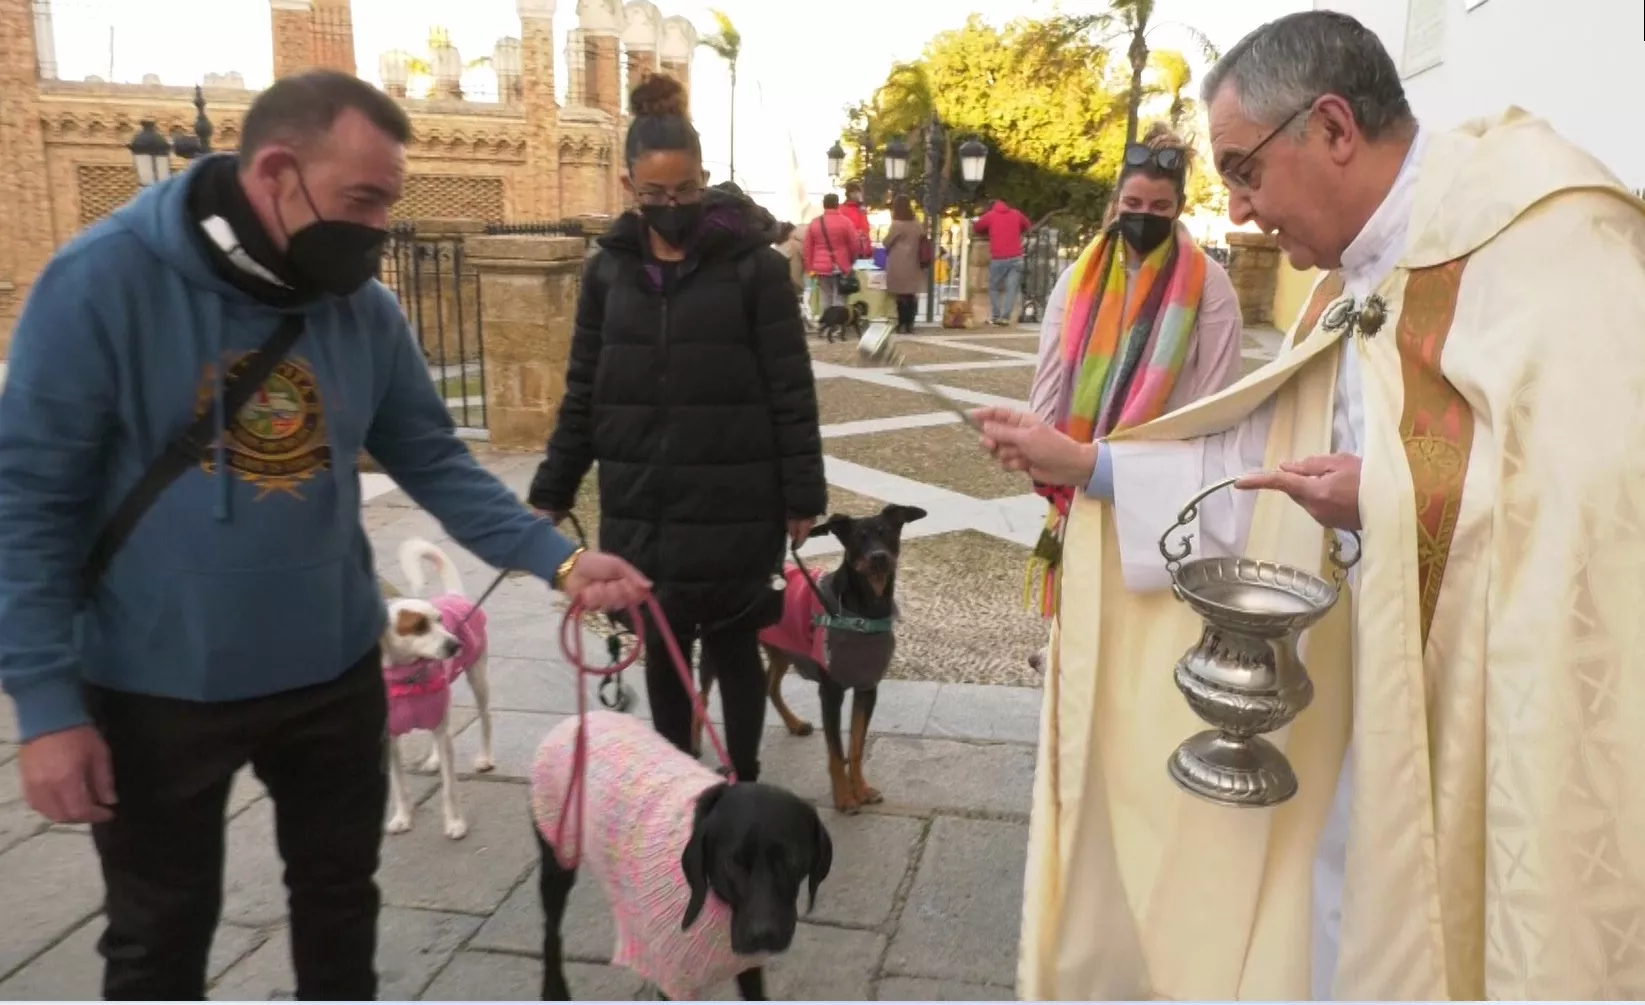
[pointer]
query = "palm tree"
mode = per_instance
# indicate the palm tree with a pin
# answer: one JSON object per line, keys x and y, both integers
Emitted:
{"x": 418, "y": 67}
{"x": 1134, "y": 20}
{"x": 727, "y": 43}
{"x": 1172, "y": 75}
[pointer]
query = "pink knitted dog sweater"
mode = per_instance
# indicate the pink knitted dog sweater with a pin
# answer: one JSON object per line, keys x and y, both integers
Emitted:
{"x": 420, "y": 693}
{"x": 797, "y": 634}
{"x": 640, "y": 795}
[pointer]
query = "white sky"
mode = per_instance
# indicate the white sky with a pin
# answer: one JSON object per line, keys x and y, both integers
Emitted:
{"x": 803, "y": 60}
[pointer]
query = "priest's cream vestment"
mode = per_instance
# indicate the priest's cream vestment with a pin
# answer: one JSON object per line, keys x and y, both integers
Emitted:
{"x": 1485, "y": 837}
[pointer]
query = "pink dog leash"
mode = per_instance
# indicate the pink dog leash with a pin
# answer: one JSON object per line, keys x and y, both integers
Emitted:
{"x": 571, "y": 645}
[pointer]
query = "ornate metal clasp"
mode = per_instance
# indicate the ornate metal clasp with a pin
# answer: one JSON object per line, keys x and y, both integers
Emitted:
{"x": 1367, "y": 318}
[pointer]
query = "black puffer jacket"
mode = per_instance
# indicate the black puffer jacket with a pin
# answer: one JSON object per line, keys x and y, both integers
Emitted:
{"x": 699, "y": 408}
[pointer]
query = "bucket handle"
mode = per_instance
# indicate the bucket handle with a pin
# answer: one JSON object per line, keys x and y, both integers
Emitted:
{"x": 1175, "y": 556}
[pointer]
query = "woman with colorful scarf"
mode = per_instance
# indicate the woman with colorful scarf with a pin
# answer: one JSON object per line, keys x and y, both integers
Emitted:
{"x": 1143, "y": 323}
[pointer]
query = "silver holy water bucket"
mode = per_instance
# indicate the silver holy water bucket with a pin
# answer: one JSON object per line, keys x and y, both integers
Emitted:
{"x": 1243, "y": 676}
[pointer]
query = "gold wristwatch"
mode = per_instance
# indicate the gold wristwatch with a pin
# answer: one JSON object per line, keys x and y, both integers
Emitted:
{"x": 563, "y": 573}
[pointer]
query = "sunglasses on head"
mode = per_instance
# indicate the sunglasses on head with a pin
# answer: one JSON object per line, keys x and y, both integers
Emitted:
{"x": 1166, "y": 159}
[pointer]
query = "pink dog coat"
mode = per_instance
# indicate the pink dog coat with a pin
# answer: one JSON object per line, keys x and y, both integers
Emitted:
{"x": 640, "y": 794}
{"x": 420, "y": 693}
{"x": 796, "y": 634}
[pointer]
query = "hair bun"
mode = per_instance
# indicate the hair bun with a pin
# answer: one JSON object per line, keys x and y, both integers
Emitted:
{"x": 657, "y": 96}
{"x": 1160, "y": 134}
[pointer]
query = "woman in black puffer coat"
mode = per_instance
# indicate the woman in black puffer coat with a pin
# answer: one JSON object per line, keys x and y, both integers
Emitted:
{"x": 690, "y": 385}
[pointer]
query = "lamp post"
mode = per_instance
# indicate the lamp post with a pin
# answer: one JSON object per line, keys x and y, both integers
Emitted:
{"x": 896, "y": 163}
{"x": 973, "y": 163}
{"x": 151, "y": 152}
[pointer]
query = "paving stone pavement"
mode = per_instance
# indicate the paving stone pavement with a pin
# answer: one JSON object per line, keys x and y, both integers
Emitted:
{"x": 922, "y": 902}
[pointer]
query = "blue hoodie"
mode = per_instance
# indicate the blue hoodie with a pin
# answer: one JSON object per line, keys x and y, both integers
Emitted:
{"x": 251, "y": 575}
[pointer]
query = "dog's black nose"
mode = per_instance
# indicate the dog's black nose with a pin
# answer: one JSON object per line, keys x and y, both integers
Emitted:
{"x": 766, "y": 938}
{"x": 881, "y": 561}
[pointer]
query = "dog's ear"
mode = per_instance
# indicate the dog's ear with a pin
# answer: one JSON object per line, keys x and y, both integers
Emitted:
{"x": 822, "y": 860}
{"x": 694, "y": 860}
{"x": 836, "y": 524}
{"x": 901, "y": 515}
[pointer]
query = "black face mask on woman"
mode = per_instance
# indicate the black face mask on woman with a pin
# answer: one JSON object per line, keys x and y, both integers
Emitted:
{"x": 674, "y": 224}
{"x": 1144, "y": 231}
{"x": 334, "y": 256}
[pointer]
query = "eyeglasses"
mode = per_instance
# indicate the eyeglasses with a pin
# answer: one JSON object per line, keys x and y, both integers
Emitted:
{"x": 1240, "y": 173}
{"x": 682, "y": 196}
{"x": 1169, "y": 160}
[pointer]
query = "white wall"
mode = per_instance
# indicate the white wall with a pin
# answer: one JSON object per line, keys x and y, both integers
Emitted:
{"x": 1578, "y": 63}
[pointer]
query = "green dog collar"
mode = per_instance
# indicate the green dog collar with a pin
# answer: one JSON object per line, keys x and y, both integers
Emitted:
{"x": 859, "y": 626}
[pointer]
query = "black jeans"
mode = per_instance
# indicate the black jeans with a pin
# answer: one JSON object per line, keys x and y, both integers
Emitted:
{"x": 907, "y": 305}
{"x": 732, "y": 655}
{"x": 320, "y": 752}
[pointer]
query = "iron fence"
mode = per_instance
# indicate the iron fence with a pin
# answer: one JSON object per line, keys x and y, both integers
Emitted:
{"x": 1046, "y": 252}
{"x": 440, "y": 295}
{"x": 539, "y": 228}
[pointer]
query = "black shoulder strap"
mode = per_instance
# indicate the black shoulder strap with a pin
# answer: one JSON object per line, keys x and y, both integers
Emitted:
{"x": 187, "y": 450}
{"x": 833, "y": 259}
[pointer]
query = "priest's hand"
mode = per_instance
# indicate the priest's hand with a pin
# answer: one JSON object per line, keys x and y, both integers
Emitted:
{"x": 1327, "y": 487}
{"x": 1021, "y": 442}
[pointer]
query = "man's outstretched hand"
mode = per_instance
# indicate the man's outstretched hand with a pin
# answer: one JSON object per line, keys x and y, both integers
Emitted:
{"x": 1326, "y": 486}
{"x": 602, "y": 582}
{"x": 1021, "y": 442}
{"x": 68, "y": 776}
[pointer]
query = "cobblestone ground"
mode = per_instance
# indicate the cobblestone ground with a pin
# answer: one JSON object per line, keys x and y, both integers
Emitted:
{"x": 925, "y": 894}
{"x": 922, "y": 901}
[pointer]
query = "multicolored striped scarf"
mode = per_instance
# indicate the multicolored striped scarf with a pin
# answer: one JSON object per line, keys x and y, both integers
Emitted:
{"x": 1123, "y": 346}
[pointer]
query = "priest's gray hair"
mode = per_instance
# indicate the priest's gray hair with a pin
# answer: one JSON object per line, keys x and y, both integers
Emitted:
{"x": 1278, "y": 69}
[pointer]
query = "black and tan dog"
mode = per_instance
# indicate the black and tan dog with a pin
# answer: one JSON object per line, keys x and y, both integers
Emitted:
{"x": 703, "y": 876}
{"x": 835, "y": 320}
{"x": 842, "y": 641}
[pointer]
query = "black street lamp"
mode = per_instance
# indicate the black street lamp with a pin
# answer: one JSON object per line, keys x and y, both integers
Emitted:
{"x": 973, "y": 162}
{"x": 896, "y": 162}
{"x": 836, "y": 161}
{"x": 151, "y": 153}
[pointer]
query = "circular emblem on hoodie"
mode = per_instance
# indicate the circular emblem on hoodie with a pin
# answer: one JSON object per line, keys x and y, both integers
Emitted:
{"x": 278, "y": 440}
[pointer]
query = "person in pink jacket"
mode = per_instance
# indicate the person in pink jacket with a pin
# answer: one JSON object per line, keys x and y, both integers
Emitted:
{"x": 1003, "y": 225}
{"x": 832, "y": 245}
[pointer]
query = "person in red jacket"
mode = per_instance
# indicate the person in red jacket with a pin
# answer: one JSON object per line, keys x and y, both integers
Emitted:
{"x": 1003, "y": 225}
{"x": 832, "y": 246}
{"x": 853, "y": 210}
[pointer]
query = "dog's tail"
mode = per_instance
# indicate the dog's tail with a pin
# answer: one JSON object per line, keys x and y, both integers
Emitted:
{"x": 414, "y": 552}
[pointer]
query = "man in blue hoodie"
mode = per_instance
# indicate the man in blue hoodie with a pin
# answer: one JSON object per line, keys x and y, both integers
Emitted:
{"x": 238, "y": 623}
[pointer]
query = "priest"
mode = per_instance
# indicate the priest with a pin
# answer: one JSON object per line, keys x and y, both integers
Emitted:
{"x": 1465, "y": 389}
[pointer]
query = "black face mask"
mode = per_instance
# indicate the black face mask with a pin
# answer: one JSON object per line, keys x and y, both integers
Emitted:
{"x": 334, "y": 256}
{"x": 1144, "y": 231}
{"x": 674, "y": 224}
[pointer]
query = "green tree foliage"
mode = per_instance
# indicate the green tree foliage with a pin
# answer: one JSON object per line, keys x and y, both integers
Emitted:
{"x": 1049, "y": 99}
{"x": 1035, "y": 92}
